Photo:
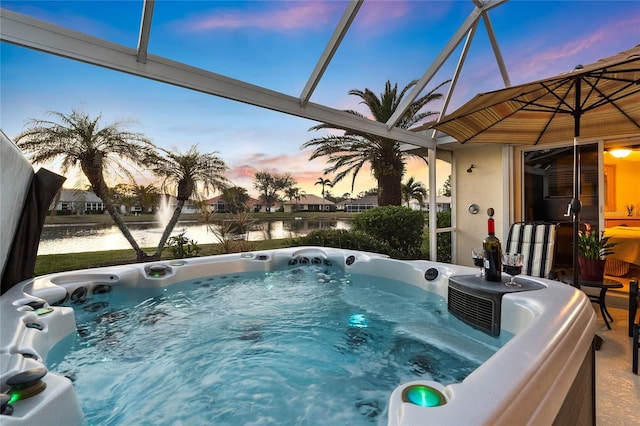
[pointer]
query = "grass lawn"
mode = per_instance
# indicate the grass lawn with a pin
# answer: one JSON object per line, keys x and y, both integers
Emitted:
{"x": 50, "y": 263}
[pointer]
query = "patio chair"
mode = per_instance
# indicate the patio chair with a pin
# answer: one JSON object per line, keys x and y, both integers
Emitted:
{"x": 536, "y": 241}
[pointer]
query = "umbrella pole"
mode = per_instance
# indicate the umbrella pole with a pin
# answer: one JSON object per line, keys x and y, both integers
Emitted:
{"x": 575, "y": 209}
{"x": 575, "y": 202}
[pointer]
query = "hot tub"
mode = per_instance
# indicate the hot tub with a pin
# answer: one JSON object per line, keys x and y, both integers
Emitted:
{"x": 542, "y": 371}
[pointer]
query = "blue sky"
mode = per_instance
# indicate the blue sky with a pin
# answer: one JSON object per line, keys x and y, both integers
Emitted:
{"x": 276, "y": 45}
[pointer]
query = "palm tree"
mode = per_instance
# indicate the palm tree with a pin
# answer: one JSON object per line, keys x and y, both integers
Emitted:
{"x": 147, "y": 196}
{"x": 294, "y": 193}
{"x": 347, "y": 154}
{"x": 81, "y": 142}
{"x": 323, "y": 182}
{"x": 184, "y": 173}
{"x": 413, "y": 190}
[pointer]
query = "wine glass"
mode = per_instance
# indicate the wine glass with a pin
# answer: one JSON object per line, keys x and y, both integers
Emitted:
{"x": 478, "y": 259}
{"x": 512, "y": 265}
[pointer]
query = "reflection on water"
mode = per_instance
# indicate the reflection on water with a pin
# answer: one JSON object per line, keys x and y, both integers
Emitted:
{"x": 80, "y": 238}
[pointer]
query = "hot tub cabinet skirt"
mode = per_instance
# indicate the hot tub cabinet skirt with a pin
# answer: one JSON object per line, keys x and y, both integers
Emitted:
{"x": 579, "y": 407}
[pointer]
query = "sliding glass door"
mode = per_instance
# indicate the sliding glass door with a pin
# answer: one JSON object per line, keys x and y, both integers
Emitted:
{"x": 548, "y": 190}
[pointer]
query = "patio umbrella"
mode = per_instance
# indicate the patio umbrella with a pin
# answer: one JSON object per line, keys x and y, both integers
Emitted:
{"x": 593, "y": 101}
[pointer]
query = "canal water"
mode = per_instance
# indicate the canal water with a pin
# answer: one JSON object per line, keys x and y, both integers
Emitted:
{"x": 57, "y": 239}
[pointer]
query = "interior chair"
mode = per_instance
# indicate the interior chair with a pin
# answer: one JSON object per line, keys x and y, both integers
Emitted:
{"x": 634, "y": 322}
{"x": 537, "y": 243}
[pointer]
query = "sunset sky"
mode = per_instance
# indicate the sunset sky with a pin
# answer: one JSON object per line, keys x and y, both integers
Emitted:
{"x": 276, "y": 44}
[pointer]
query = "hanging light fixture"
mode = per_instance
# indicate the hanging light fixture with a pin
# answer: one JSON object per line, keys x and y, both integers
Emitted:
{"x": 620, "y": 153}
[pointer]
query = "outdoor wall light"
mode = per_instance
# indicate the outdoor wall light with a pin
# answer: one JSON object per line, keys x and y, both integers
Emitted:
{"x": 471, "y": 167}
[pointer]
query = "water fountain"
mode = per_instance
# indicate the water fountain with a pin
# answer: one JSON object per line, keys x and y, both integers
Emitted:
{"x": 164, "y": 213}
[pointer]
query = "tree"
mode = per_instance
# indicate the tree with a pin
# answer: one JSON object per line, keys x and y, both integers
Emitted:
{"x": 268, "y": 186}
{"x": 446, "y": 187}
{"x": 294, "y": 193}
{"x": 147, "y": 197}
{"x": 329, "y": 196}
{"x": 124, "y": 195}
{"x": 368, "y": 192}
{"x": 413, "y": 190}
{"x": 236, "y": 198}
{"x": 80, "y": 141}
{"x": 348, "y": 153}
{"x": 323, "y": 182}
{"x": 186, "y": 174}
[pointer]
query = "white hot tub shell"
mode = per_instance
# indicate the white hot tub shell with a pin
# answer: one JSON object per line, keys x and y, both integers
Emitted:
{"x": 543, "y": 371}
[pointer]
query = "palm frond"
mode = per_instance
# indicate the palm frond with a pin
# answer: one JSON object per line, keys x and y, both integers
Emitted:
{"x": 346, "y": 154}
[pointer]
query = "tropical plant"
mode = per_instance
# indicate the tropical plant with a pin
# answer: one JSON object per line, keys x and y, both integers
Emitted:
{"x": 185, "y": 175}
{"x": 413, "y": 190}
{"x": 348, "y": 153}
{"x": 323, "y": 182}
{"x": 80, "y": 141}
{"x": 593, "y": 246}
{"x": 269, "y": 184}
{"x": 181, "y": 246}
{"x": 233, "y": 235}
{"x": 242, "y": 223}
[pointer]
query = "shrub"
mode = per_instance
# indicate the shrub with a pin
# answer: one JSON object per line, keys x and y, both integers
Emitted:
{"x": 401, "y": 227}
{"x": 182, "y": 246}
{"x": 341, "y": 238}
{"x": 443, "y": 240}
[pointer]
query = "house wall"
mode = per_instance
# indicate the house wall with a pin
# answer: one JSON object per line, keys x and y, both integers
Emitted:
{"x": 485, "y": 186}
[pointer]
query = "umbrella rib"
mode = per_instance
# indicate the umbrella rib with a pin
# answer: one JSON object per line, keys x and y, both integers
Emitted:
{"x": 558, "y": 107}
{"x": 615, "y": 96}
{"x": 592, "y": 88}
{"x": 548, "y": 91}
{"x": 562, "y": 100}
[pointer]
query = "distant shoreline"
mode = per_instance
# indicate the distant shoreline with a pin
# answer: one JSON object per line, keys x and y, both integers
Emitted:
{"x": 99, "y": 219}
{"x": 105, "y": 219}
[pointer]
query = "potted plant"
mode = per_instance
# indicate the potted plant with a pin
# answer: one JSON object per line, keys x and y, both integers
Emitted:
{"x": 592, "y": 250}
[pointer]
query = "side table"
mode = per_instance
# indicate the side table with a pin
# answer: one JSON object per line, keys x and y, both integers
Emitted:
{"x": 605, "y": 285}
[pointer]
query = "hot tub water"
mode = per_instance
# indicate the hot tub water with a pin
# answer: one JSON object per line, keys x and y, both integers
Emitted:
{"x": 302, "y": 345}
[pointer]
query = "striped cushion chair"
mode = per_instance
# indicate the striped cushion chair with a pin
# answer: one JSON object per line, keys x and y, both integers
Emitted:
{"x": 536, "y": 241}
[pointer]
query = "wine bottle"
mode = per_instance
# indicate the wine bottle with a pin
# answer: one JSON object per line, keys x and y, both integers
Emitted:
{"x": 492, "y": 252}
